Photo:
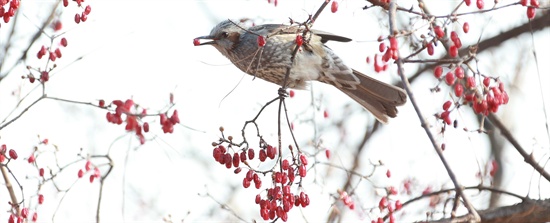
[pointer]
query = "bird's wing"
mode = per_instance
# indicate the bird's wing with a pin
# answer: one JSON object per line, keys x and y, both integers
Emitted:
{"x": 277, "y": 29}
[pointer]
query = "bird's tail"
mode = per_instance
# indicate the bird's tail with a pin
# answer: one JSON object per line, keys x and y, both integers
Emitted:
{"x": 377, "y": 97}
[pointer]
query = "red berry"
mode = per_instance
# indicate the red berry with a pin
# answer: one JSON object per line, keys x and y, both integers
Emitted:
{"x": 250, "y": 153}
{"x": 87, "y": 10}
{"x": 438, "y": 71}
{"x": 261, "y": 41}
{"x": 80, "y": 173}
{"x": 459, "y": 89}
{"x": 486, "y": 81}
{"x": 236, "y": 160}
{"x": 334, "y": 7}
{"x": 285, "y": 165}
{"x": 450, "y": 78}
{"x": 299, "y": 40}
{"x": 246, "y": 183}
{"x": 263, "y": 155}
{"x": 83, "y": 17}
{"x": 196, "y": 42}
{"x": 325, "y": 114}
{"x": 31, "y": 158}
{"x": 466, "y": 27}
{"x": 398, "y": 205}
{"x": 291, "y": 93}
{"x": 453, "y": 51}
{"x": 393, "y": 43}
{"x": 88, "y": 165}
{"x": 382, "y": 47}
{"x": 470, "y": 82}
{"x": 44, "y": 76}
{"x": 77, "y": 18}
{"x": 34, "y": 217}
{"x": 480, "y": 107}
{"x": 302, "y": 170}
{"x": 243, "y": 156}
{"x": 523, "y": 2}
{"x": 227, "y": 159}
{"x": 24, "y": 212}
{"x": 388, "y": 173}
{"x": 480, "y": 4}
{"x": 447, "y": 105}
{"x": 535, "y": 3}
{"x": 444, "y": 114}
{"x": 303, "y": 159}
{"x": 13, "y": 154}
{"x": 459, "y": 72}
{"x": 531, "y": 12}
{"x": 430, "y": 48}
{"x": 57, "y": 25}
{"x": 58, "y": 53}
{"x": 65, "y": 3}
{"x": 175, "y": 117}
{"x": 439, "y": 32}
{"x": 383, "y": 203}
{"x": 454, "y": 36}
{"x": 327, "y": 153}
{"x": 392, "y": 190}
{"x": 40, "y": 199}
{"x": 468, "y": 2}
{"x": 41, "y": 172}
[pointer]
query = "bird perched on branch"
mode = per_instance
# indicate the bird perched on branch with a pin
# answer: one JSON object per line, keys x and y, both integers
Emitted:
{"x": 265, "y": 51}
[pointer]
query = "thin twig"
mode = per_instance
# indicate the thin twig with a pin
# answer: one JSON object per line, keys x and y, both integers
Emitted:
{"x": 508, "y": 136}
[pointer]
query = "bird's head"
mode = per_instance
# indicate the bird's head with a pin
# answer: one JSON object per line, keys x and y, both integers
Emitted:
{"x": 224, "y": 36}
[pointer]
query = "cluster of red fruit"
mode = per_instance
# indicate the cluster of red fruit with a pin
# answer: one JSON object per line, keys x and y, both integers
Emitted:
{"x": 24, "y": 214}
{"x": 133, "y": 118}
{"x": 6, "y": 15}
{"x": 87, "y": 168}
{"x": 532, "y": 6}
{"x": 486, "y": 97}
{"x": 388, "y": 52}
{"x": 12, "y": 154}
{"x": 346, "y": 199}
{"x": 384, "y": 203}
{"x": 278, "y": 199}
{"x": 82, "y": 17}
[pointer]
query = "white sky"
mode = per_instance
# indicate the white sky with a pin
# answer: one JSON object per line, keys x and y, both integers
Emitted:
{"x": 143, "y": 50}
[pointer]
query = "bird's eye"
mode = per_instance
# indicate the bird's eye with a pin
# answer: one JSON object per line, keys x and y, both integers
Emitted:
{"x": 224, "y": 34}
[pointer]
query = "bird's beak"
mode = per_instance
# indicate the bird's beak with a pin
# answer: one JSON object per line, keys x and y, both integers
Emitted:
{"x": 205, "y": 43}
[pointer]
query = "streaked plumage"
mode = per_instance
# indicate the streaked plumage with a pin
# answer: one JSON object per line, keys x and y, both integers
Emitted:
{"x": 314, "y": 61}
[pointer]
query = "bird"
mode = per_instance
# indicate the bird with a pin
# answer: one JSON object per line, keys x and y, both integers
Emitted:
{"x": 265, "y": 51}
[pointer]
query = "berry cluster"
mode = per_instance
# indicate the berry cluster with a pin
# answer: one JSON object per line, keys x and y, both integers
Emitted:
{"x": 13, "y": 6}
{"x": 532, "y": 6}
{"x": 83, "y": 16}
{"x": 484, "y": 98}
{"x": 346, "y": 199}
{"x": 11, "y": 153}
{"x": 278, "y": 199}
{"x": 388, "y": 52}
{"x": 386, "y": 204}
{"x": 87, "y": 169}
{"x": 23, "y": 216}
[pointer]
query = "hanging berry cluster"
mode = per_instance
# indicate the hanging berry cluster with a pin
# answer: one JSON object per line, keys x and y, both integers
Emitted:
{"x": 469, "y": 87}
{"x": 277, "y": 199}
{"x": 133, "y": 115}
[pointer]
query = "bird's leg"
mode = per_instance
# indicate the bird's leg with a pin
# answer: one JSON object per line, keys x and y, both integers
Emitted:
{"x": 282, "y": 92}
